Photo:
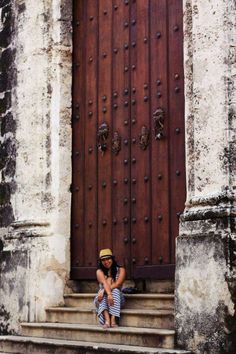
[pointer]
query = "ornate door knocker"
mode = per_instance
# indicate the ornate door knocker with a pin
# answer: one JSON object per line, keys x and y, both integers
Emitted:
{"x": 116, "y": 143}
{"x": 102, "y": 135}
{"x": 144, "y": 138}
{"x": 158, "y": 119}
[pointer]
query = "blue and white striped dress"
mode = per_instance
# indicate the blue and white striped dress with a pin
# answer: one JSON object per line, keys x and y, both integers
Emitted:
{"x": 114, "y": 310}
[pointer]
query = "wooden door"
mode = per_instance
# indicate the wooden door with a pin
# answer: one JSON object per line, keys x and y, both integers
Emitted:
{"x": 128, "y": 134}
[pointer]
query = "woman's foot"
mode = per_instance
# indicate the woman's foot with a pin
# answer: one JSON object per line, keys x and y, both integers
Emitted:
{"x": 114, "y": 325}
{"x": 107, "y": 319}
{"x": 106, "y": 325}
{"x": 113, "y": 322}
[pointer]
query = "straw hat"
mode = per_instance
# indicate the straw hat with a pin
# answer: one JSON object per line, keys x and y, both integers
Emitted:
{"x": 105, "y": 253}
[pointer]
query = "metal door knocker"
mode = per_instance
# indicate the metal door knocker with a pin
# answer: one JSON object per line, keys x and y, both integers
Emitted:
{"x": 102, "y": 135}
{"x": 144, "y": 138}
{"x": 116, "y": 143}
{"x": 158, "y": 119}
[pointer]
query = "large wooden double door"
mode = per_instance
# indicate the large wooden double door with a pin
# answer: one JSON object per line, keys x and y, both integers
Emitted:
{"x": 128, "y": 134}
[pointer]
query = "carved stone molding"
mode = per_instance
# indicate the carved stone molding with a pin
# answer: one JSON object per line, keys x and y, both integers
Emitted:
{"x": 208, "y": 213}
{"x": 226, "y": 196}
{"x": 29, "y": 228}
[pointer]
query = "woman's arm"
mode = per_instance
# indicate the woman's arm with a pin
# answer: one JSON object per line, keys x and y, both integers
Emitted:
{"x": 121, "y": 278}
{"x": 102, "y": 280}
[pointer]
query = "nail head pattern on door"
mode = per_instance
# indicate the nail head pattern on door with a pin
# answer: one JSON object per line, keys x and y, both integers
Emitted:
{"x": 128, "y": 128}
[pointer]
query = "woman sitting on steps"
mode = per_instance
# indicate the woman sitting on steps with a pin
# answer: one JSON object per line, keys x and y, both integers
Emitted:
{"x": 109, "y": 299}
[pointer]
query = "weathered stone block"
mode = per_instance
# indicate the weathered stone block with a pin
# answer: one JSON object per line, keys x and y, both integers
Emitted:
{"x": 5, "y": 102}
{"x": 13, "y": 266}
{"x": 7, "y": 59}
{"x": 5, "y": 193}
{"x": 6, "y": 24}
{"x": 5, "y": 2}
{"x": 3, "y": 82}
{"x": 8, "y": 124}
{"x": 205, "y": 301}
{"x": 7, "y": 152}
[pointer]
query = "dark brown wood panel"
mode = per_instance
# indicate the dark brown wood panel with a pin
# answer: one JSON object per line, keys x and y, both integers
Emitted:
{"x": 105, "y": 116}
{"x": 120, "y": 134}
{"x": 91, "y": 111}
{"x": 176, "y": 117}
{"x": 140, "y": 158}
{"x": 77, "y": 221}
{"x": 159, "y": 162}
{"x": 128, "y": 134}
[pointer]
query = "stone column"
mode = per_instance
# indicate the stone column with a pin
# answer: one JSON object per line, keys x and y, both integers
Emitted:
{"x": 206, "y": 246}
{"x": 35, "y": 261}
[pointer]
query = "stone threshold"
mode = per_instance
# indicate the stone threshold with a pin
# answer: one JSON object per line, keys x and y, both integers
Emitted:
{"x": 93, "y": 347}
{"x": 128, "y": 296}
{"x": 123, "y": 311}
{"x": 97, "y": 328}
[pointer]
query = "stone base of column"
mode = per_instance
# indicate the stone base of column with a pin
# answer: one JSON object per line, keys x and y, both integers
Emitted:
{"x": 206, "y": 281}
{"x": 35, "y": 266}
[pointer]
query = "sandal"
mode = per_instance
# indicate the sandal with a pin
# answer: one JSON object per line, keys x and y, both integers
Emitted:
{"x": 106, "y": 325}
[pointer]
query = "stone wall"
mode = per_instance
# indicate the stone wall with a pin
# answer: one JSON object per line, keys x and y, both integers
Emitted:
{"x": 8, "y": 122}
{"x": 35, "y": 157}
{"x": 35, "y": 164}
{"x": 7, "y": 141}
{"x": 206, "y": 273}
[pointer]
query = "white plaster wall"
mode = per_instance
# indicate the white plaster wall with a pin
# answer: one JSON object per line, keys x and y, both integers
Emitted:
{"x": 43, "y": 169}
{"x": 205, "y": 265}
{"x": 205, "y": 308}
{"x": 199, "y": 285}
{"x": 209, "y": 38}
{"x": 47, "y": 275}
{"x": 43, "y": 112}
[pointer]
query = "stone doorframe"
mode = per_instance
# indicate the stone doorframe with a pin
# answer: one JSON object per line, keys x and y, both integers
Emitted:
{"x": 35, "y": 260}
{"x": 36, "y": 244}
{"x": 206, "y": 258}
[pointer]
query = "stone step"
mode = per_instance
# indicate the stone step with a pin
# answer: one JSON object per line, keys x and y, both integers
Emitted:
{"x": 135, "y": 301}
{"x": 129, "y": 317}
{"x": 150, "y": 286}
{"x": 33, "y": 345}
{"x": 149, "y": 337}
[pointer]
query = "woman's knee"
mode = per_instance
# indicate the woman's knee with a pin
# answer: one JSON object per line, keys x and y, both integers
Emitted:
{"x": 115, "y": 291}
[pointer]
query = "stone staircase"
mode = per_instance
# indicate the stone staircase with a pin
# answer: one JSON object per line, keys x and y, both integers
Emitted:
{"x": 146, "y": 326}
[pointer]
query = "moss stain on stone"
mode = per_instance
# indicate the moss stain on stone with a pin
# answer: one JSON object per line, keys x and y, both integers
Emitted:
{"x": 4, "y": 321}
{"x": 7, "y": 121}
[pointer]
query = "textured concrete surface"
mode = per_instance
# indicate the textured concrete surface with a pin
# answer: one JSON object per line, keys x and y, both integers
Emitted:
{"x": 35, "y": 150}
{"x": 41, "y": 346}
{"x": 205, "y": 272}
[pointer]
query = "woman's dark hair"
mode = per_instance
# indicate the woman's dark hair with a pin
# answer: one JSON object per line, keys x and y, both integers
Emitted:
{"x": 113, "y": 268}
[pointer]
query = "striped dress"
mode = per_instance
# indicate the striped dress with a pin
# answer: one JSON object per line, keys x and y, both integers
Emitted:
{"x": 114, "y": 310}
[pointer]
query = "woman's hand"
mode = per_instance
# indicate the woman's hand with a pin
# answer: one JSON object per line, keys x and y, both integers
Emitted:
{"x": 119, "y": 282}
{"x": 110, "y": 299}
{"x": 100, "y": 295}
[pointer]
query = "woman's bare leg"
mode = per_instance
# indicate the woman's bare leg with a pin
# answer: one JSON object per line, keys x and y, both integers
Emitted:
{"x": 113, "y": 321}
{"x": 107, "y": 319}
